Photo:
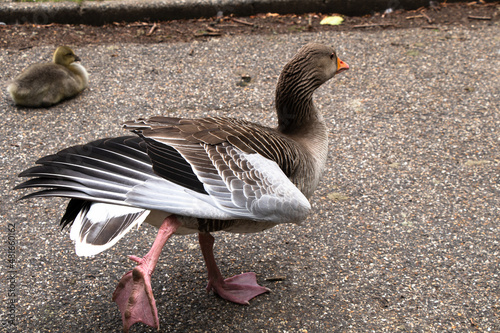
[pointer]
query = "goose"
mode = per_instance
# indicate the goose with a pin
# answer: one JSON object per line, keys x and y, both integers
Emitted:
{"x": 200, "y": 175}
{"x": 46, "y": 84}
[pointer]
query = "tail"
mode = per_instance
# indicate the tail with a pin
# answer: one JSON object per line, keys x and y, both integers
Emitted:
{"x": 12, "y": 89}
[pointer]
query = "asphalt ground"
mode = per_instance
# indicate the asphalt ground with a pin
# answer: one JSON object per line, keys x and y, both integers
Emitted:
{"x": 404, "y": 236}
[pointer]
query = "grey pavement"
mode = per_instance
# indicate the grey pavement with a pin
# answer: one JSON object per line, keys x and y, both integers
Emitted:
{"x": 100, "y": 12}
{"x": 405, "y": 231}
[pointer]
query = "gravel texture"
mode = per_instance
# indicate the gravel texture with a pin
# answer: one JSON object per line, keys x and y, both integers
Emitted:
{"x": 404, "y": 236}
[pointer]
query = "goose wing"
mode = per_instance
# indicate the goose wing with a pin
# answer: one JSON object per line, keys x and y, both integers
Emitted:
{"x": 244, "y": 168}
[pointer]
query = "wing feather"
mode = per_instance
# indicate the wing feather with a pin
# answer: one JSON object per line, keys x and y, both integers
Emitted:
{"x": 242, "y": 167}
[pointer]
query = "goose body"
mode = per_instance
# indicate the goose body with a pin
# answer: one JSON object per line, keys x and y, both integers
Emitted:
{"x": 195, "y": 176}
{"x": 46, "y": 84}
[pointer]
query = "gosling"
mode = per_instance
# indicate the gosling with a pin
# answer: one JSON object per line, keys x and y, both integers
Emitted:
{"x": 43, "y": 85}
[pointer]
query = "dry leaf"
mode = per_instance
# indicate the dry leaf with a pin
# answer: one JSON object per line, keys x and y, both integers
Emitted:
{"x": 332, "y": 20}
{"x": 337, "y": 196}
{"x": 479, "y": 162}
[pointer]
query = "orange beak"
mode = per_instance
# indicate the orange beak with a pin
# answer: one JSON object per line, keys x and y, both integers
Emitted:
{"x": 341, "y": 66}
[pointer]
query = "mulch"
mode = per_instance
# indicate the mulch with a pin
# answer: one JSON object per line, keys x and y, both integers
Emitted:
{"x": 30, "y": 35}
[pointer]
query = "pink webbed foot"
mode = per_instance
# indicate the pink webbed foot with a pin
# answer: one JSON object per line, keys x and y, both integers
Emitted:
{"x": 134, "y": 295}
{"x": 239, "y": 288}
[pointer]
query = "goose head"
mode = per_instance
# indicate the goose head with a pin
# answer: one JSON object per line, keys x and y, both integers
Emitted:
{"x": 64, "y": 56}
{"x": 318, "y": 62}
{"x": 313, "y": 65}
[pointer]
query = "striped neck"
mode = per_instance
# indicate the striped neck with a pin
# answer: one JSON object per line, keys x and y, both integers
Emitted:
{"x": 294, "y": 103}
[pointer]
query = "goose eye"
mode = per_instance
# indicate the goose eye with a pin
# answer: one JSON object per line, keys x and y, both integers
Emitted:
{"x": 332, "y": 56}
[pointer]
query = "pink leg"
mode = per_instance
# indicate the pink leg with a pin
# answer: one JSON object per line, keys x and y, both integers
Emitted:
{"x": 239, "y": 288}
{"x": 133, "y": 294}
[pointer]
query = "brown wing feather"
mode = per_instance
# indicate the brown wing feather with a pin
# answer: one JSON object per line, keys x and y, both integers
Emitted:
{"x": 246, "y": 136}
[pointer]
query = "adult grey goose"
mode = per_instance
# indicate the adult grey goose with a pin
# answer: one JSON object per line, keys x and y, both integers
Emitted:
{"x": 194, "y": 176}
{"x": 47, "y": 84}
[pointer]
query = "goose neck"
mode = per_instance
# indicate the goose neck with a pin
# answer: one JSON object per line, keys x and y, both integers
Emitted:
{"x": 294, "y": 102}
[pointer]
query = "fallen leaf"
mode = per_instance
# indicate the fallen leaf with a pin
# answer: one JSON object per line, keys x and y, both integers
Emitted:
{"x": 480, "y": 162}
{"x": 337, "y": 196}
{"x": 332, "y": 20}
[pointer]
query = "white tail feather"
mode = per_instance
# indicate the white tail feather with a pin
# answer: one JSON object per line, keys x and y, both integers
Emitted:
{"x": 103, "y": 225}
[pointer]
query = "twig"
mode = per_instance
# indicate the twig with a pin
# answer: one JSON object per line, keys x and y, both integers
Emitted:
{"x": 427, "y": 17}
{"x": 486, "y": 18}
{"x": 373, "y": 25}
{"x": 153, "y": 28}
{"x": 210, "y": 29}
{"x": 241, "y": 22}
{"x": 420, "y": 16}
{"x": 207, "y": 34}
{"x": 136, "y": 24}
{"x": 276, "y": 278}
{"x": 414, "y": 17}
